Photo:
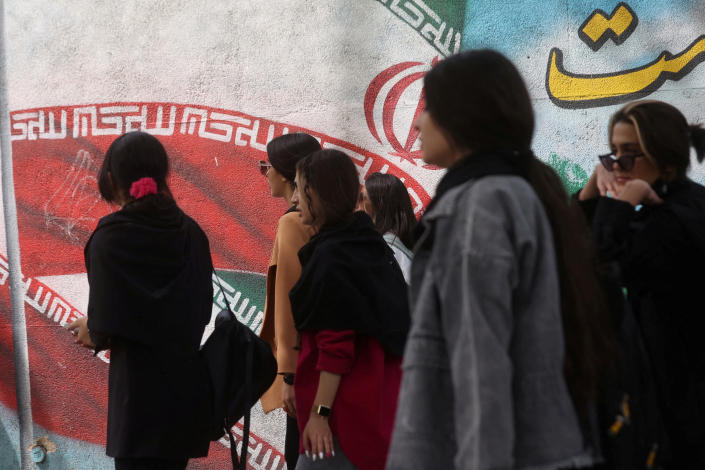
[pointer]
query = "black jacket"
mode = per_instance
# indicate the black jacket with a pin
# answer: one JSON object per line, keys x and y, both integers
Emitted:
{"x": 149, "y": 270}
{"x": 659, "y": 251}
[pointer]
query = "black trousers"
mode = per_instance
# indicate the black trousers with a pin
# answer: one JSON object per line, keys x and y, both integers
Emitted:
{"x": 291, "y": 442}
{"x": 150, "y": 464}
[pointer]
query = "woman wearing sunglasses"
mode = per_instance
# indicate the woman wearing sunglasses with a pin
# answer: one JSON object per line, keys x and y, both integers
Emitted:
{"x": 651, "y": 228}
{"x": 284, "y": 270}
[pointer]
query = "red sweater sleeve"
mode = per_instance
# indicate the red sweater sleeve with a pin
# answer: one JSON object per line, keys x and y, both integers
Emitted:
{"x": 336, "y": 351}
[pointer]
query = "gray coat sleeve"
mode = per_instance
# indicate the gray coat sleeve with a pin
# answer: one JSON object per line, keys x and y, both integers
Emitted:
{"x": 476, "y": 293}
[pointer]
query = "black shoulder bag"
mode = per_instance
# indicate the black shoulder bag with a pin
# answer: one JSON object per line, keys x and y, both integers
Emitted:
{"x": 241, "y": 368}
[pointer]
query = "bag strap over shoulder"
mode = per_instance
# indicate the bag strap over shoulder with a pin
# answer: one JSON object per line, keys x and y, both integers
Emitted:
{"x": 241, "y": 462}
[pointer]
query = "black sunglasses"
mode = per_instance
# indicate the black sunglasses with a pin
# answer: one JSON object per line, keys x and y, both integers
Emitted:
{"x": 625, "y": 162}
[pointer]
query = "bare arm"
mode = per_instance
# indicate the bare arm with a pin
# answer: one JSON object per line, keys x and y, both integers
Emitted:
{"x": 327, "y": 388}
{"x": 290, "y": 238}
{"x": 317, "y": 436}
{"x": 336, "y": 357}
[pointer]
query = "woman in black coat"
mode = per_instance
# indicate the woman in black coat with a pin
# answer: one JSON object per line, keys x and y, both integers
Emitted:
{"x": 648, "y": 220}
{"x": 149, "y": 270}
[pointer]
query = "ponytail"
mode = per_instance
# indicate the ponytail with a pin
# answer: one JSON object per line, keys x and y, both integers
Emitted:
{"x": 697, "y": 140}
{"x": 586, "y": 329}
{"x": 135, "y": 166}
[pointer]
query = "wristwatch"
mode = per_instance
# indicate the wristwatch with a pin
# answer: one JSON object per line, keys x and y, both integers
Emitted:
{"x": 322, "y": 410}
{"x": 288, "y": 379}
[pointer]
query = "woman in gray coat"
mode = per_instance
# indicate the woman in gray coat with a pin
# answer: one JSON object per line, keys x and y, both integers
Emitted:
{"x": 504, "y": 353}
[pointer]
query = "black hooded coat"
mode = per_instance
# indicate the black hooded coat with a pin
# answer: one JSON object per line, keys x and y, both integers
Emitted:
{"x": 149, "y": 269}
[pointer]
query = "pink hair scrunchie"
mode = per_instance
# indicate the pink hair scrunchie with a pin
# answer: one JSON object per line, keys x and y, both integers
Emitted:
{"x": 143, "y": 187}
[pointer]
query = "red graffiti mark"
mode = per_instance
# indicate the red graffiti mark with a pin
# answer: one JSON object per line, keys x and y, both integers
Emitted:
{"x": 214, "y": 155}
{"x": 390, "y": 106}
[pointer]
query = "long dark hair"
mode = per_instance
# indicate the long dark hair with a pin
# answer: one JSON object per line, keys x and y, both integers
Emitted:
{"x": 132, "y": 156}
{"x": 392, "y": 206}
{"x": 285, "y": 151}
{"x": 331, "y": 174}
{"x": 664, "y": 134}
{"x": 479, "y": 98}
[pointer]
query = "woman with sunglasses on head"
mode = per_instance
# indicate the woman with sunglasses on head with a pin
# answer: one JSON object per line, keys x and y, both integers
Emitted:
{"x": 351, "y": 311}
{"x": 648, "y": 221}
{"x": 278, "y": 329}
{"x": 386, "y": 200}
{"x": 150, "y": 299}
{"x": 505, "y": 349}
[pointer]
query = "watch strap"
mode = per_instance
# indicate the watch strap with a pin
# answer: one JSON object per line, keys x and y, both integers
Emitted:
{"x": 323, "y": 410}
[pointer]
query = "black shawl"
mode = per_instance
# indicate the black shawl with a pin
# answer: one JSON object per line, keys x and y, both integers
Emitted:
{"x": 477, "y": 165}
{"x": 150, "y": 276}
{"x": 350, "y": 280}
{"x": 486, "y": 163}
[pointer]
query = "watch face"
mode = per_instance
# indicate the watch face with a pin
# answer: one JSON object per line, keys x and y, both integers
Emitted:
{"x": 323, "y": 410}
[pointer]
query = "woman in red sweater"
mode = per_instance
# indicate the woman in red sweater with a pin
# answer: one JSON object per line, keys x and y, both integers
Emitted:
{"x": 350, "y": 308}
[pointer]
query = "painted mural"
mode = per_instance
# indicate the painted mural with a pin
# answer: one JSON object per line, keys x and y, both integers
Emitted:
{"x": 216, "y": 83}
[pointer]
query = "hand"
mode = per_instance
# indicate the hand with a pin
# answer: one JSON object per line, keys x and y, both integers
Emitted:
{"x": 288, "y": 399}
{"x": 606, "y": 181}
{"x": 80, "y": 328}
{"x": 317, "y": 437}
{"x": 637, "y": 192}
{"x": 600, "y": 182}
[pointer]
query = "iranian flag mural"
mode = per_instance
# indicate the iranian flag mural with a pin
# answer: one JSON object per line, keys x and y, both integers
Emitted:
{"x": 215, "y": 81}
